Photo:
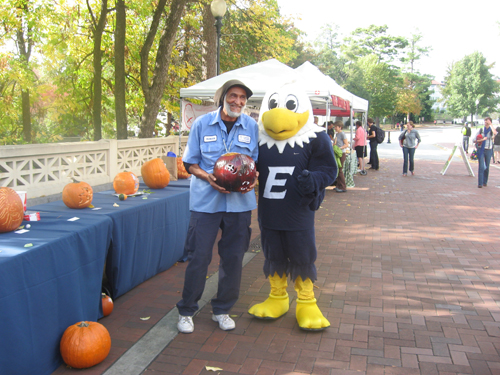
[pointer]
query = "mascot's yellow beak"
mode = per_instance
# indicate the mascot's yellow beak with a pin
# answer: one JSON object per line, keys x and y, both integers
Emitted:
{"x": 281, "y": 123}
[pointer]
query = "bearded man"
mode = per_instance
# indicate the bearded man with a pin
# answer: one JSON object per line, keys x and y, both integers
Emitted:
{"x": 224, "y": 130}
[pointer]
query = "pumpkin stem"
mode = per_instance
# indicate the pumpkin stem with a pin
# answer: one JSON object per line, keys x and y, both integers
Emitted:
{"x": 82, "y": 324}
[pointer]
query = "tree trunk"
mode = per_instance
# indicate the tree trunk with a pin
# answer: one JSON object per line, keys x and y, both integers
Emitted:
{"x": 120, "y": 107}
{"x": 97, "y": 55}
{"x": 209, "y": 43}
{"x": 153, "y": 93}
{"x": 25, "y": 95}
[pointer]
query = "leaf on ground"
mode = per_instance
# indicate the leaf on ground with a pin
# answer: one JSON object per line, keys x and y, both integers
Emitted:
{"x": 210, "y": 368}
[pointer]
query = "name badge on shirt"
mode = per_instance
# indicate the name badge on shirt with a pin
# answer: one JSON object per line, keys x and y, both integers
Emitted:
{"x": 210, "y": 138}
{"x": 244, "y": 138}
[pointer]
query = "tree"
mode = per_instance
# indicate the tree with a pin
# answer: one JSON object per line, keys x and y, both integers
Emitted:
{"x": 97, "y": 31}
{"x": 153, "y": 91}
{"x": 470, "y": 87}
{"x": 414, "y": 52}
{"x": 120, "y": 82}
{"x": 379, "y": 81}
{"x": 408, "y": 100}
{"x": 374, "y": 40}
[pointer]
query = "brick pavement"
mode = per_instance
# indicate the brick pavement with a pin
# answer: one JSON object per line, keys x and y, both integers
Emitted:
{"x": 408, "y": 275}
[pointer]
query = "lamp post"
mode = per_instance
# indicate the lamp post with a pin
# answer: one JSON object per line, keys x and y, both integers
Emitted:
{"x": 218, "y": 9}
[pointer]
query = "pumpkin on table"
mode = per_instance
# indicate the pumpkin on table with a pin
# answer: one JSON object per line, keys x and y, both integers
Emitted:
{"x": 181, "y": 170}
{"x": 11, "y": 210}
{"x": 85, "y": 344}
{"x": 155, "y": 174}
{"x": 77, "y": 195}
{"x": 126, "y": 183}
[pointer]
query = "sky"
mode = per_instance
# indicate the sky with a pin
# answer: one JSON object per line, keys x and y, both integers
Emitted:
{"x": 452, "y": 29}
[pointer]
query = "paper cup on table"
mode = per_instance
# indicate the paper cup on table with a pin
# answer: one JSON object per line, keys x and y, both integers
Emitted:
{"x": 23, "y": 195}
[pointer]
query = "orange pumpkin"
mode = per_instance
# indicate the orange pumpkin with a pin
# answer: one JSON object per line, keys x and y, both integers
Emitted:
{"x": 126, "y": 183}
{"x": 85, "y": 344}
{"x": 77, "y": 195}
{"x": 181, "y": 171}
{"x": 155, "y": 174}
{"x": 11, "y": 210}
{"x": 107, "y": 304}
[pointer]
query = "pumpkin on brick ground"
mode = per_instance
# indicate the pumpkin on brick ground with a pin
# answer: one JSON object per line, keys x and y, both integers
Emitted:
{"x": 181, "y": 171}
{"x": 85, "y": 344}
{"x": 126, "y": 183}
{"x": 107, "y": 304}
{"x": 11, "y": 210}
{"x": 155, "y": 174}
{"x": 77, "y": 195}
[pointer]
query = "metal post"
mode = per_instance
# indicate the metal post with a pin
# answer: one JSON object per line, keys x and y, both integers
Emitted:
{"x": 218, "y": 25}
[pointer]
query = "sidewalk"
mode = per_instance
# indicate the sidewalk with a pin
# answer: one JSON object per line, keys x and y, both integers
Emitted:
{"x": 408, "y": 276}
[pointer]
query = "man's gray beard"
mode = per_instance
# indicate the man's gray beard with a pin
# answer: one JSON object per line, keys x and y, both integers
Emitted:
{"x": 230, "y": 113}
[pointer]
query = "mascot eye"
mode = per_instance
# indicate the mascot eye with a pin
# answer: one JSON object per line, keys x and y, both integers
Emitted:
{"x": 292, "y": 103}
{"x": 273, "y": 101}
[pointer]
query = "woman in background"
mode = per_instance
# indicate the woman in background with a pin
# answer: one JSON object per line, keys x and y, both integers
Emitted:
{"x": 408, "y": 142}
{"x": 342, "y": 142}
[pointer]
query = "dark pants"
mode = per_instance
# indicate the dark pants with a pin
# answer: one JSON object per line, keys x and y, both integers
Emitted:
{"x": 341, "y": 178}
{"x": 202, "y": 232}
{"x": 374, "y": 154}
{"x": 408, "y": 153}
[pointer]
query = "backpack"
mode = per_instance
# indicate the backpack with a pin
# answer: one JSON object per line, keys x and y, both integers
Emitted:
{"x": 380, "y": 134}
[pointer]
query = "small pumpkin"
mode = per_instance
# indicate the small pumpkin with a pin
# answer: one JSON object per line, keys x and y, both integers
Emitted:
{"x": 11, "y": 210}
{"x": 107, "y": 304}
{"x": 126, "y": 183}
{"x": 181, "y": 170}
{"x": 77, "y": 195}
{"x": 85, "y": 344}
{"x": 155, "y": 174}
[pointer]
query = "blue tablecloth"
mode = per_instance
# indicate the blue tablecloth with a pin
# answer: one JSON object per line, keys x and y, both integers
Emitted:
{"x": 148, "y": 232}
{"x": 57, "y": 282}
{"x": 48, "y": 286}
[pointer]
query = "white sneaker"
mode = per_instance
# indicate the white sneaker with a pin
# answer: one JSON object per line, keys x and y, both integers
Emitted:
{"x": 225, "y": 322}
{"x": 185, "y": 324}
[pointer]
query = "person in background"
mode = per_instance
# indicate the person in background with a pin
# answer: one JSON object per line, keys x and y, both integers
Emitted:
{"x": 496, "y": 146}
{"x": 359, "y": 146}
{"x": 316, "y": 120}
{"x": 484, "y": 146}
{"x": 330, "y": 131}
{"x": 466, "y": 133}
{"x": 224, "y": 130}
{"x": 342, "y": 142}
{"x": 372, "y": 137}
{"x": 408, "y": 142}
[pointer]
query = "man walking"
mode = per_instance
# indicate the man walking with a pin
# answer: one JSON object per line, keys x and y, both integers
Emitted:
{"x": 466, "y": 132}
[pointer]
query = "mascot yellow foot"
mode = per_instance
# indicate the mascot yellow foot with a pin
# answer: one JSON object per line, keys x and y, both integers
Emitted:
{"x": 308, "y": 314}
{"x": 277, "y": 304}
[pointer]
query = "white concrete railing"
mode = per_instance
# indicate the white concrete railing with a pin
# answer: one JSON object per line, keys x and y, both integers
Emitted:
{"x": 44, "y": 169}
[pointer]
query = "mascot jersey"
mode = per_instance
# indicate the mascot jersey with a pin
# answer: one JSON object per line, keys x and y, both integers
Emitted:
{"x": 281, "y": 205}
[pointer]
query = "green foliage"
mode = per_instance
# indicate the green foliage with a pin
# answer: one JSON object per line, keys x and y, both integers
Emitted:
{"x": 470, "y": 87}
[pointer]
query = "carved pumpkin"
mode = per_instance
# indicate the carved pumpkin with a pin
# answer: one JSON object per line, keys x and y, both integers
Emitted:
{"x": 155, "y": 174}
{"x": 126, "y": 183}
{"x": 181, "y": 171}
{"x": 11, "y": 210}
{"x": 107, "y": 304}
{"x": 85, "y": 344}
{"x": 77, "y": 195}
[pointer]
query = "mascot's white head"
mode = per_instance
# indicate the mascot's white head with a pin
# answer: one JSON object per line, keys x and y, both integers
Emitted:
{"x": 286, "y": 117}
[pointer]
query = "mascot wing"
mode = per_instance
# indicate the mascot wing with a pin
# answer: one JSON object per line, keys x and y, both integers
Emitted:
{"x": 286, "y": 116}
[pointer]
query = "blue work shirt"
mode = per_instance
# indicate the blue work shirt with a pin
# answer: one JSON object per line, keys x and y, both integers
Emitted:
{"x": 207, "y": 141}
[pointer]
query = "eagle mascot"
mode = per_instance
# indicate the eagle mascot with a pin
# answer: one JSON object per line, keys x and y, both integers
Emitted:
{"x": 296, "y": 164}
